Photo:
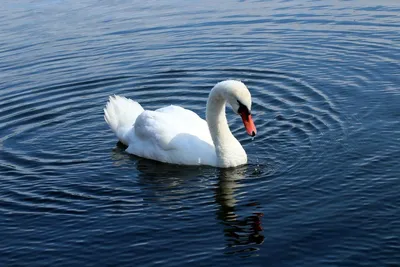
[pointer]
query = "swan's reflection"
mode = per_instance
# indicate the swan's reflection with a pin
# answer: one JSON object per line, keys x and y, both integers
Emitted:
{"x": 166, "y": 184}
{"x": 239, "y": 232}
{"x": 175, "y": 186}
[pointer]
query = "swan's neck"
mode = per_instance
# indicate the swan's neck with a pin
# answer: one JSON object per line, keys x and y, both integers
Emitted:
{"x": 228, "y": 149}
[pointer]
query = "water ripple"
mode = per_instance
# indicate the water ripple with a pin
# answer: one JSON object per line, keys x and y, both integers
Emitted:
{"x": 320, "y": 185}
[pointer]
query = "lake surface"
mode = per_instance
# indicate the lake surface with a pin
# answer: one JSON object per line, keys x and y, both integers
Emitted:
{"x": 323, "y": 180}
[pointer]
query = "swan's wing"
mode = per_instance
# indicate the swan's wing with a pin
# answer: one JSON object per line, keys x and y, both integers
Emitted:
{"x": 172, "y": 134}
{"x": 164, "y": 124}
{"x": 186, "y": 121}
{"x": 156, "y": 129}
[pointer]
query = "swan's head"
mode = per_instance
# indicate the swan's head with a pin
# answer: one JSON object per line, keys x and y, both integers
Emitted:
{"x": 238, "y": 96}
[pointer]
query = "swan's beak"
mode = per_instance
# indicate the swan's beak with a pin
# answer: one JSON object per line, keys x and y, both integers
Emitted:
{"x": 248, "y": 124}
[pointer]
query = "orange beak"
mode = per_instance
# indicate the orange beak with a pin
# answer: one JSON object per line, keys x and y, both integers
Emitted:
{"x": 248, "y": 124}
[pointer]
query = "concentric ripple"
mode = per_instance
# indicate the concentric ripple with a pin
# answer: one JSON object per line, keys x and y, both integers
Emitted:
{"x": 288, "y": 112}
{"x": 320, "y": 186}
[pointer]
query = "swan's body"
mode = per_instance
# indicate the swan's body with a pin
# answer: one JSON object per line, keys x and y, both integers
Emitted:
{"x": 177, "y": 135}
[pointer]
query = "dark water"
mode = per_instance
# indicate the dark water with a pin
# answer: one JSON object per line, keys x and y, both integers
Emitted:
{"x": 322, "y": 185}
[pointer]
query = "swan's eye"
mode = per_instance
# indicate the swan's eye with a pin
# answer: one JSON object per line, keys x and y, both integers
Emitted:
{"x": 243, "y": 109}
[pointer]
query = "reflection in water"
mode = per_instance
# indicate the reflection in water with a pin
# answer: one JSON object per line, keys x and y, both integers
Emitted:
{"x": 174, "y": 186}
{"x": 240, "y": 233}
{"x": 170, "y": 184}
{"x": 161, "y": 182}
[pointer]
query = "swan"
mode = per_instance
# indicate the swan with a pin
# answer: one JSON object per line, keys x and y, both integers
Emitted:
{"x": 179, "y": 136}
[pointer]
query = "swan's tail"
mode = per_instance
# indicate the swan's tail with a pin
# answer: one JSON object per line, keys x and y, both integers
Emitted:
{"x": 121, "y": 113}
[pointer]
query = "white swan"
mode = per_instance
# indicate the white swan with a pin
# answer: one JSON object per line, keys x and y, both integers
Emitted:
{"x": 179, "y": 136}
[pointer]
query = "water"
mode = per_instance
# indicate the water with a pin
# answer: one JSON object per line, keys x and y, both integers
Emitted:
{"x": 322, "y": 184}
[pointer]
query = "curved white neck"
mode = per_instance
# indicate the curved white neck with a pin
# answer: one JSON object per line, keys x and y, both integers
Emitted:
{"x": 228, "y": 149}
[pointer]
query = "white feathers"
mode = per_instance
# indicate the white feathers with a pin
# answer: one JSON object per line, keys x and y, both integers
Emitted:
{"x": 176, "y": 135}
{"x": 121, "y": 113}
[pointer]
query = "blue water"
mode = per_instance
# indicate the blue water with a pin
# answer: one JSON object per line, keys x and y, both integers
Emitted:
{"x": 323, "y": 180}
